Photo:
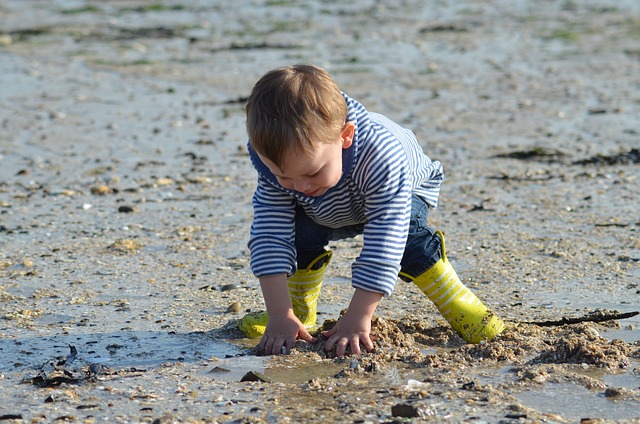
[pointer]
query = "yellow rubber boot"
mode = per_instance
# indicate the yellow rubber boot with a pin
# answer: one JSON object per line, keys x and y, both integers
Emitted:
{"x": 468, "y": 316}
{"x": 304, "y": 289}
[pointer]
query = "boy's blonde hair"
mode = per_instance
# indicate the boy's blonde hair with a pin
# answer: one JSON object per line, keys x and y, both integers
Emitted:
{"x": 295, "y": 107}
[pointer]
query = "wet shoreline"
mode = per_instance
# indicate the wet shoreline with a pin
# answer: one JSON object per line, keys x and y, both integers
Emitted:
{"x": 125, "y": 201}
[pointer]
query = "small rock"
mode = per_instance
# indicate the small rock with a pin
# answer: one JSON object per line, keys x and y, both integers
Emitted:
{"x": 234, "y": 307}
{"x": 406, "y": 411}
{"x": 255, "y": 376}
{"x": 471, "y": 385}
{"x": 165, "y": 419}
{"x": 100, "y": 190}
{"x": 199, "y": 179}
{"x": 228, "y": 287}
{"x": 516, "y": 416}
{"x": 11, "y": 417}
{"x": 96, "y": 369}
{"x": 126, "y": 246}
{"x": 164, "y": 181}
{"x": 125, "y": 209}
{"x": 208, "y": 287}
{"x": 613, "y": 392}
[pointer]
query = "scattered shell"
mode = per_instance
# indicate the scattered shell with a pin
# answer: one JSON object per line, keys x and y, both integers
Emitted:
{"x": 164, "y": 181}
{"x": 126, "y": 246}
{"x": 208, "y": 287}
{"x": 234, "y": 307}
{"x": 100, "y": 190}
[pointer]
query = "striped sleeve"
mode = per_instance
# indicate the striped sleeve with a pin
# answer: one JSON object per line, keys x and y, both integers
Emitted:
{"x": 427, "y": 175}
{"x": 272, "y": 238}
{"x": 387, "y": 191}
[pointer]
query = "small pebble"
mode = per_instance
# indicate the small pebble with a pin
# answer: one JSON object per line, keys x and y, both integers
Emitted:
{"x": 228, "y": 287}
{"x": 613, "y": 392}
{"x": 234, "y": 307}
{"x": 406, "y": 410}
{"x": 255, "y": 376}
{"x": 164, "y": 181}
{"x": 100, "y": 190}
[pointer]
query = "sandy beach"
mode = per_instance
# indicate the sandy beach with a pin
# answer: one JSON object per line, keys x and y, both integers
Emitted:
{"x": 125, "y": 205}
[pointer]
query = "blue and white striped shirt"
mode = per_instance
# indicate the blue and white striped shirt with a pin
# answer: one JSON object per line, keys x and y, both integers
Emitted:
{"x": 380, "y": 170}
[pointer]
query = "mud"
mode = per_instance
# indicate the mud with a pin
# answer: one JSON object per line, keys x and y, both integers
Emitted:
{"x": 125, "y": 201}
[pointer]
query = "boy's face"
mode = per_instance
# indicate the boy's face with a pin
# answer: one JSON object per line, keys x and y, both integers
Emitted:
{"x": 313, "y": 174}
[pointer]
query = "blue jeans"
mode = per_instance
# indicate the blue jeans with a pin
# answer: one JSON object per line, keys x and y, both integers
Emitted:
{"x": 421, "y": 252}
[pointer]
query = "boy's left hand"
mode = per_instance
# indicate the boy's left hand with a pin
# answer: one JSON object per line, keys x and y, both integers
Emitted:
{"x": 354, "y": 328}
{"x": 349, "y": 331}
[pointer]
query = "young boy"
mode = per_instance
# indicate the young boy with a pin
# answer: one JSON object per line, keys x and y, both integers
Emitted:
{"x": 328, "y": 169}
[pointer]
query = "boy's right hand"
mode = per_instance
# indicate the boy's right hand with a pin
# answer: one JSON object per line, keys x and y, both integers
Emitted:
{"x": 283, "y": 327}
{"x": 283, "y": 330}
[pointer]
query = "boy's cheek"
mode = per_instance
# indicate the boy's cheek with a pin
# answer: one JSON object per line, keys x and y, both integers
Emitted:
{"x": 285, "y": 183}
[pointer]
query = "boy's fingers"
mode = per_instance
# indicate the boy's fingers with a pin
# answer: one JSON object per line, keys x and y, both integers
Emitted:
{"x": 277, "y": 346}
{"x": 289, "y": 344}
{"x": 328, "y": 345}
{"x": 355, "y": 345}
{"x": 329, "y": 333}
{"x": 330, "y": 339}
{"x": 265, "y": 345}
{"x": 271, "y": 345}
{"x": 367, "y": 342}
{"x": 341, "y": 346}
{"x": 303, "y": 334}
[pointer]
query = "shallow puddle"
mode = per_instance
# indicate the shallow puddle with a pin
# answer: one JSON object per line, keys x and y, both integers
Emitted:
{"x": 114, "y": 350}
{"x": 574, "y": 402}
{"x": 570, "y": 400}
{"x": 629, "y": 379}
{"x": 273, "y": 371}
{"x": 147, "y": 102}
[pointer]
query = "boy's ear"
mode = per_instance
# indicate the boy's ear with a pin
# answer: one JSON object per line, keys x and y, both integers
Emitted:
{"x": 348, "y": 131}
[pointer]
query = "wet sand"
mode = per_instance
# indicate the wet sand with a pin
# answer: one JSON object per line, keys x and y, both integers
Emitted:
{"x": 125, "y": 201}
